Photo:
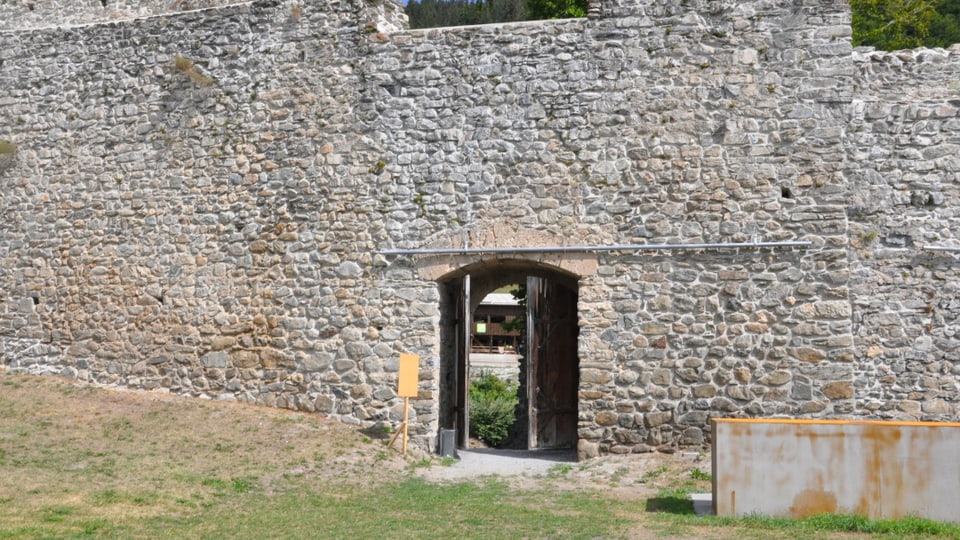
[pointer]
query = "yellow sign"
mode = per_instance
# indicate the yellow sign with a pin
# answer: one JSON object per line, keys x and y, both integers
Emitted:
{"x": 481, "y": 328}
{"x": 409, "y": 375}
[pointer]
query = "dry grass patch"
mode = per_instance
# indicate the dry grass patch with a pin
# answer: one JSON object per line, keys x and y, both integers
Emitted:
{"x": 72, "y": 452}
{"x": 78, "y": 462}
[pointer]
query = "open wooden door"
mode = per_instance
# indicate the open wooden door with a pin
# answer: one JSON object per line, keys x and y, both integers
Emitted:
{"x": 553, "y": 372}
{"x": 464, "y": 332}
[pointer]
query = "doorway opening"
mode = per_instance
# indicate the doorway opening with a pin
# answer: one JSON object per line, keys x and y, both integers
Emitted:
{"x": 538, "y": 331}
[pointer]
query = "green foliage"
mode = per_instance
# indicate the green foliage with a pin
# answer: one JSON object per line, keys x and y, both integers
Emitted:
{"x": 697, "y": 474}
{"x": 945, "y": 29}
{"x": 492, "y": 405}
{"x": 884, "y": 24}
{"x": 187, "y": 67}
{"x": 518, "y": 323}
{"x": 909, "y": 527}
{"x": 556, "y": 9}
{"x": 891, "y": 25}
{"x": 439, "y": 13}
{"x": 651, "y": 474}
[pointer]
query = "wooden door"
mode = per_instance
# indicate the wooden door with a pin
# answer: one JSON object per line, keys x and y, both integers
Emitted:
{"x": 553, "y": 373}
{"x": 464, "y": 321}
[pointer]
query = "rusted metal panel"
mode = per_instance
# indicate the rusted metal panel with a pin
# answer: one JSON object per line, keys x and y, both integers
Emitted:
{"x": 798, "y": 468}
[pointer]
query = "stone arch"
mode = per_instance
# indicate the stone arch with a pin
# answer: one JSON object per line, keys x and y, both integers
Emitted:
{"x": 502, "y": 236}
{"x": 549, "y": 368}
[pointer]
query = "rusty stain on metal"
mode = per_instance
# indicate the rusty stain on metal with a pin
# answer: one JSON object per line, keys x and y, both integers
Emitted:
{"x": 811, "y": 502}
{"x": 800, "y": 468}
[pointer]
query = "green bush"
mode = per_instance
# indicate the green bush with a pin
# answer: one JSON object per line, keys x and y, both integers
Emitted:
{"x": 492, "y": 404}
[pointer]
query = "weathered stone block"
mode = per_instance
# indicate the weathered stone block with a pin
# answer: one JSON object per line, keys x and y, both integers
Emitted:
{"x": 652, "y": 328}
{"x": 909, "y": 407}
{"x": 360, "y": 391}
{"x": 937, "y": 406}
{"x": 606, "y": 418}
{"x": 838, "y": 390}
{"x": 811, "y": 407}
{"x": 587, "y": 449}
{"x": 659, "y": 418}
{"x": 244, "y": 359}
{"x": 704, "y": 391}
{"x": 723, "y": 404}
{"x": 324, "y": 404}
{"x": 661, "y": 377}
{"x": 694, "y": 418}
{"x": 807, "y": 354}
{"x": 691, "y": 437}
{"x": 272, "y": 358}
{"x": 595, "y": 376}
{"x": 217, "y": 359}
{"x": 313, "y": 362}
{"x": 776, "y": 378}
{"x": 741, "y": 393}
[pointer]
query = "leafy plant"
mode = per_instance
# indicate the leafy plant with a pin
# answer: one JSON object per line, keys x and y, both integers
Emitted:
{"x": 377, "y": 167}
{"x": 651, "y": 474}
{"x": 697, "y": 474}
{"x": 492, "y": 408}
{"x": 518, "y": 323}
{"x": 187, "y": 66}
{"x": 296, "y": 13}
{"x": 892, "y": 24}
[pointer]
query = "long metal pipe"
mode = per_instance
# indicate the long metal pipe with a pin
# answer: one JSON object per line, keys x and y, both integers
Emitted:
{"x": 585, "y": 249}
{"x": 941, "y": 248}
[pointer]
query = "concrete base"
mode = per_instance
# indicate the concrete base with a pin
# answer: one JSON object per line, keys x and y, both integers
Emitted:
{"x": 798, "y": 468}
{"x": 702, "y": 503}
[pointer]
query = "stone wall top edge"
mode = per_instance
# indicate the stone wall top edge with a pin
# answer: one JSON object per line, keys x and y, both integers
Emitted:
{"x": 497, "y": 26}
{"x": 202, "y": 12}
{"x": 212, "y": 12}
{"x": 864, "y": 54}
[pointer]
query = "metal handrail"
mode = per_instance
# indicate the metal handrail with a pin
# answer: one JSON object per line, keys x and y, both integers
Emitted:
{"x": 587, "y": 249}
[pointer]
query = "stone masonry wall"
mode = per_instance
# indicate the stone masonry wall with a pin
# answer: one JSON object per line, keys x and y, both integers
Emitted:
{"x": 16, "y": 15}
{"x": 185, "y": 227}
{"x": 904, "y": 168}
{"x": 197, "y": 201}
{"x": 640, "y": 130}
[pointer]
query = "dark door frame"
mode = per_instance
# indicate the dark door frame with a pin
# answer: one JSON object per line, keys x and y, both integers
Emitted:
{"x": 462, "y": 292}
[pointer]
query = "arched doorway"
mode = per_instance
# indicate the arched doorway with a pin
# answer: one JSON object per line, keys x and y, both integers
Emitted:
{"x": 549, "y": 365}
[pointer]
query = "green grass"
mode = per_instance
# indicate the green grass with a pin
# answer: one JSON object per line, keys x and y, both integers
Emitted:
{"x": 824, "y": 526}
{"x": 412, "y": 508}
{"x": 675, "y": 517}
{"x": 78, "y": 463}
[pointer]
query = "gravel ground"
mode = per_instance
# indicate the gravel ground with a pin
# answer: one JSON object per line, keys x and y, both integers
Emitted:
{"x": 476, "y": 463}
{"x": 632, "y": 476}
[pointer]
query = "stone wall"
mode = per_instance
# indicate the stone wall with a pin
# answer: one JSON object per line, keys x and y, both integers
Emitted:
{"x": 629, "y": 131}
{"x": 198, "y": 200}
{"x": 183, "y": 226}
{"x": 17, "y": 15}
{"x": 903, "y": 138}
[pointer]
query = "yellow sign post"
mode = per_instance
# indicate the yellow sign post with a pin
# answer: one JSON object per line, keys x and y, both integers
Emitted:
{"x": 406, "y": 388}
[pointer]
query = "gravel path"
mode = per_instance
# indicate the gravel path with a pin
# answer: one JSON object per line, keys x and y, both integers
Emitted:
{"x": 477, "y": 462}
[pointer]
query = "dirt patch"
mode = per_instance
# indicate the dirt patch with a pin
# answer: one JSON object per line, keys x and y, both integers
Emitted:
{"x": 634, "y": 476}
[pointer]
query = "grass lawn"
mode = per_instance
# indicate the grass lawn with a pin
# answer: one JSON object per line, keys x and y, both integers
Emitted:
{"x": 83, "y": 462}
